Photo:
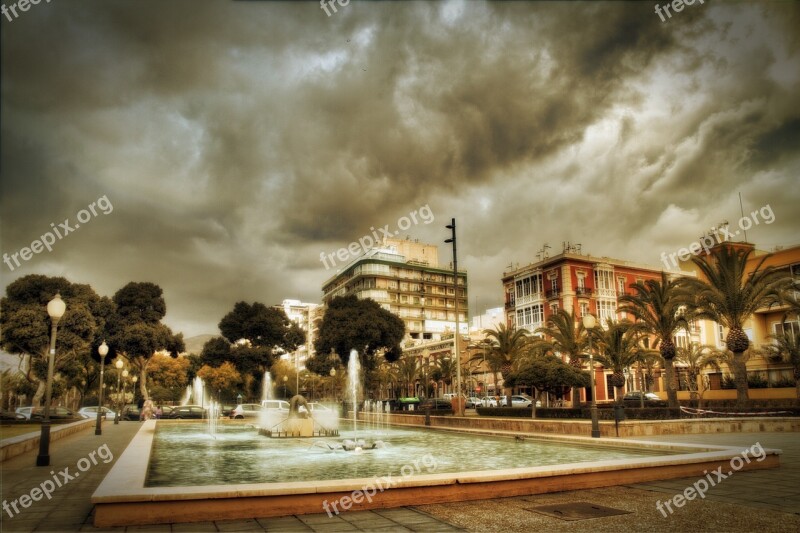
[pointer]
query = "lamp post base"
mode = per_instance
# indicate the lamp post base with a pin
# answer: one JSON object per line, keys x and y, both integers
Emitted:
{"x": 43, "y": 459}
{"x": 98, "y": 428}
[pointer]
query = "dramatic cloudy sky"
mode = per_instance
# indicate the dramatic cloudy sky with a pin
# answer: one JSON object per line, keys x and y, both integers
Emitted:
{"x": 236, "y": 141}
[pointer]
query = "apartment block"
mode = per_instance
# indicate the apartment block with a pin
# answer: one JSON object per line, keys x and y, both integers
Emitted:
{"x": 405, "y": 278}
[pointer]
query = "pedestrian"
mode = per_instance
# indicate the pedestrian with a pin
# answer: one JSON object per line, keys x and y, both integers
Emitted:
{"x": 159, "y": 412}
{"x": 147, "y": 410}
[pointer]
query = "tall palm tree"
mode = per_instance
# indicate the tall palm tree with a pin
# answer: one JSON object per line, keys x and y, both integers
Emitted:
{"x": 481, "y": 356}
{"x": 694, "y": 359}
{"x": 505, "y": 346}
{"x": 658, "y": 307}
{"x": 446, "y": 369}
{"x": 566, "y": 336}
{"x": 618, "y": 348}
{"x": 730, "y": 296}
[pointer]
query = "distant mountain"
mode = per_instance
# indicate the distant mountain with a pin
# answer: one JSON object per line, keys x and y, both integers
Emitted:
{"x": 195, "y": 344}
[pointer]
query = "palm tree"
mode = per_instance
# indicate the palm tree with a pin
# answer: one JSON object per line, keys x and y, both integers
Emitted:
{"x": 618, "y": 348}
{"x": 694, "y": 359}
{"x": 658, "y": 307}
{"x": 481, "y": 356}
{"x": 446, "y": 369}
{"x": 731, "y": 295}
{"x": 406, "y": 371}
{"x": 786, "y": 347}
{"x": 567, "y": 338}
{"x": 505, "y": 346}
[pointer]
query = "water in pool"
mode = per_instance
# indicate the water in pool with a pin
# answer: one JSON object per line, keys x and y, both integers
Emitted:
{"x": 186, "y": 455}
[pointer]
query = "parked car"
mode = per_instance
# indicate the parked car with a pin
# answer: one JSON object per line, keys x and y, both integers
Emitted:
{"x": 408, "y": 404}
{"x": 12, "y": 415}
{"x": 316, "y": 406}
{"x": 435, "y": 404}
{"x": 130, "y": 412}
{"x": 166, "y": 410}
{"x": 91, "y": 412}
{"x": 25, "y": 412}
{"x": 56, "y": 413}
{"x": 247, "y": 410}
{"x": 188, "y": 411}
{"x": 473, "y": 401}
{"x": 226, "y": 410}
{"x": 634, "y": 399}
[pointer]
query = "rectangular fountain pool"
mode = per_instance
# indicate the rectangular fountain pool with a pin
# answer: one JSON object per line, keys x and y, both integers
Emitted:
{"x": 242, "y": 475}
{"x": 186, "y": 454}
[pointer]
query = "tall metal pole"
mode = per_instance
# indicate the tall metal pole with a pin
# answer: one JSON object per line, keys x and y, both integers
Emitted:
{"x": 43, "y": 459}
{"x": 55, "y": 308}
{"x": 102, "y": 350}
{"x": 460, "y": 404}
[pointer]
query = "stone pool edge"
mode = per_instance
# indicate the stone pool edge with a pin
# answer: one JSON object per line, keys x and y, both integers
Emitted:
{"x": 122, "y": 499}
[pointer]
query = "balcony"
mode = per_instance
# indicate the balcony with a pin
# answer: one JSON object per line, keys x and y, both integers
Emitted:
{"x": 553, "y": 293}
{"x": 510, "y": 304}
{"x": 583, "y": 292}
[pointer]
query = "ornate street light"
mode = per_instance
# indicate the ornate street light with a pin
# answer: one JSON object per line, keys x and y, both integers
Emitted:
{"x": 589, "y": 322}
{"x": 103, "y": 351}
{"x": 456, "y": 352}
{"x": 55, "y": 308}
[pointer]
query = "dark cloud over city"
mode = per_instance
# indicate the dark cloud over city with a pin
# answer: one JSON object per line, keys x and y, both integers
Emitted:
{"x": 237, "y": 141}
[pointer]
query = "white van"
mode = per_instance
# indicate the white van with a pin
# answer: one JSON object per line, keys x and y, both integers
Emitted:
{"x": 279, "y": 405}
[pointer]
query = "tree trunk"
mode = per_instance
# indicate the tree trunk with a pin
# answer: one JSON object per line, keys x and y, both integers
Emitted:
{"x": 740, "y": 379}
{"x": 533, "y": 403}
{"x": 36, "y": 401}
{"x": 672, "y": 394}
{"x": 619, "y": 393}
{"x": 576, "y": 397}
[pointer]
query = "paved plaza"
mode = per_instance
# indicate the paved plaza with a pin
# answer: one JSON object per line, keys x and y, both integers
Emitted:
{"x": 766, "y": 500}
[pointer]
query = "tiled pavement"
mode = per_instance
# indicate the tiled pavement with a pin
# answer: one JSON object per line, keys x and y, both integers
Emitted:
{"x": 775, "y": 493}
{"x": 775, "y": 490}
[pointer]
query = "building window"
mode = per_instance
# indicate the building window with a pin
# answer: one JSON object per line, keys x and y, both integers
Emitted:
{"x": 792, "y": 329}
{"x": 720, "y": 335}
{"x": 606, "y": 310}
{"x": 584, "y": 309}
{"x": 553, "y": 308}
{"x": 621, "y": 285}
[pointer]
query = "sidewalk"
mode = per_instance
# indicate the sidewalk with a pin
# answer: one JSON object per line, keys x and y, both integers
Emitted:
{"x": 766, "y": 500}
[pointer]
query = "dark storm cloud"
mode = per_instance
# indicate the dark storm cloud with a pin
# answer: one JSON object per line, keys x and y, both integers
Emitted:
{"x": 239, "y": 140}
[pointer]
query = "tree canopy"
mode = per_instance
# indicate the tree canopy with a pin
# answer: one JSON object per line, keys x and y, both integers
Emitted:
{"x": 361, "y": 325}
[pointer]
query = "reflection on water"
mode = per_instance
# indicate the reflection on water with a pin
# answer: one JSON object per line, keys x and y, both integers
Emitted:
{"x": 184, "y": 454}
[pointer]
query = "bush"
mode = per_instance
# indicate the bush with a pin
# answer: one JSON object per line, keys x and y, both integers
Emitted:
{"x": 757, "y": 381}
{"x": 604, "y": 412}
{"x": 785, "y": 382}
{"x": 728, "y": 382}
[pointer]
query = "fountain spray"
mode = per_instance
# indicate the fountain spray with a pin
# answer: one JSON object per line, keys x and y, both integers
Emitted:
{"x": 353, "y": 384}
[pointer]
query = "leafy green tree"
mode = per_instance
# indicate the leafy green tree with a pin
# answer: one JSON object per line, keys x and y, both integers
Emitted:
{"x": 549, "y": 374}
{"x": 168, "y": 376}
{"x": 361, "y": 325}
{"x": 503, "y": 347}
{"x": 659, "y": 309}
{"x": 136, "y": 329}
{"x": 730, "y": 295}
{"x": 25, "y": 325}
{"x": 260, "y": 325}
{"x": 563, "y": 334}
{"x": 222, "y": 379}
{"x": 618, "y": 348}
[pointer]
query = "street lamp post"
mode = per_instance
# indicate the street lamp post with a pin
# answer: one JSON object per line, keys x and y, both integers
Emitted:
{"x": 589, "y": 323}
{"x": 55, "y": 308}
{"x": 119, "y": 365}
{"x": 456, "y": 352}
{"x": 103, "y": 351}
{"x": 285, "y": 379}
{"x": 333, "y": 385}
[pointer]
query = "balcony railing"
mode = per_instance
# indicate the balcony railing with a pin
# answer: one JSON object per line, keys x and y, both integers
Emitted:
{"x": 583, "y": 291}
{"x": 553, "y": 293}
